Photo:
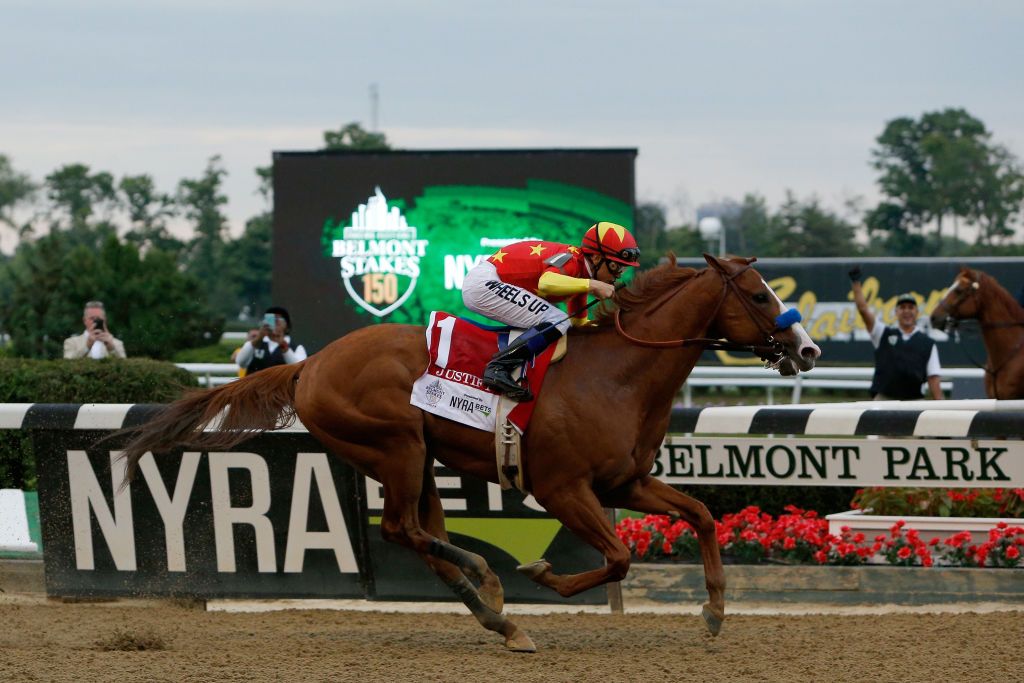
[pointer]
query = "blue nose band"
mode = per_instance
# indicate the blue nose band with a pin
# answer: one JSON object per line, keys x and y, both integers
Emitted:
{"x": 783, "y": 321}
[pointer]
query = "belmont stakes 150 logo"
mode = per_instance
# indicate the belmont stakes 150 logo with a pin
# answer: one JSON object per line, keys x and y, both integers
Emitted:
{"x": 380, "y": 256}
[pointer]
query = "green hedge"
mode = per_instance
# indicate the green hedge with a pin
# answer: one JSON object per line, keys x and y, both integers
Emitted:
{"x": 132, "y": 380}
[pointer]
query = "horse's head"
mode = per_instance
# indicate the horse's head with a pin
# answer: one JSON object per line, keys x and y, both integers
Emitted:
{"x": 752, "y": 313}
{"x": 961, "y": 301}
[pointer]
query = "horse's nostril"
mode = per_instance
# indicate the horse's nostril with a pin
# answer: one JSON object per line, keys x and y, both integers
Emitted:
{"x": 809, "y": 352}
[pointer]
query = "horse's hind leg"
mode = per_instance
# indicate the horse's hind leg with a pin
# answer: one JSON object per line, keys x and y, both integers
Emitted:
{"x": 656, "y": 497}
{"x": 403, "y": 480}
{"x": 400, "y": 524}
{"x": 432, "y": 517}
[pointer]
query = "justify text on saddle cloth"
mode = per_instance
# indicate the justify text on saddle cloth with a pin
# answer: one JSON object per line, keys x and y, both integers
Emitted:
{"x": 486, "y": 294}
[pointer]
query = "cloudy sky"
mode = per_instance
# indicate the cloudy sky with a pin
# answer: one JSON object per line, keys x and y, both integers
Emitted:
{"x": 720, "y": 98}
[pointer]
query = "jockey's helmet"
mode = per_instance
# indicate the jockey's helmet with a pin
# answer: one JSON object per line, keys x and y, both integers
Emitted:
{"x": 613, "y": 242}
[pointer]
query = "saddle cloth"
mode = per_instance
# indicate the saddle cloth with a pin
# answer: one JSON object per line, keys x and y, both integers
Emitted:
{"x": 452, "y": 386}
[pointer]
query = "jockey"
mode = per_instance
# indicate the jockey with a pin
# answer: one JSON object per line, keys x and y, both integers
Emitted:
{"x": 518, "y": 285}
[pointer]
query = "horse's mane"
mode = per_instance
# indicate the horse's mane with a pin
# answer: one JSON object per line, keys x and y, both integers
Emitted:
{"x": 990, "y": 284}
{"x": 645, "y": 287}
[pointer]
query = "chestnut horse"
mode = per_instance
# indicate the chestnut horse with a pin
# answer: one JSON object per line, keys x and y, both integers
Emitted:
{"x": 597, "y": 427}
{"x": 975, "y": 295}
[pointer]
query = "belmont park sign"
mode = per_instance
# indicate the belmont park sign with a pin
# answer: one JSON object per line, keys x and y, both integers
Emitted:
{"x": 841, "y": 462}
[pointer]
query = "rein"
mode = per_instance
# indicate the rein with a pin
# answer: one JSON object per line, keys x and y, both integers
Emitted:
{"x": 772, "y": 351}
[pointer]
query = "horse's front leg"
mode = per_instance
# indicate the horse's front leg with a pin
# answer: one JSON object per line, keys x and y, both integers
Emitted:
{"x": 652, "y": 496}
{"x": 581, "y": 512}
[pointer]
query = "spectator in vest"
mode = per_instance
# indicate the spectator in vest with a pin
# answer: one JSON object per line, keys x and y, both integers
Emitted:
{"x": 905, "y": 357}
{"x": 96, "y": 341}
{"x": 274, "y": 345}
{"x": 253, "y": 335}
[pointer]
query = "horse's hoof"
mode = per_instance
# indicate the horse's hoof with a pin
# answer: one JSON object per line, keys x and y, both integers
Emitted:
{"x": 713, "y": 618}
{"x": 520, "y": 642}
{"x": 534, "y": 569}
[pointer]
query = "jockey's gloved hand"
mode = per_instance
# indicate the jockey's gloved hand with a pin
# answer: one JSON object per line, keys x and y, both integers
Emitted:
{"x": 854, "y": 274}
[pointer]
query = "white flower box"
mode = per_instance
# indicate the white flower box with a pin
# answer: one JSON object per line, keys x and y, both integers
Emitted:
{"x": 928, "y": 527}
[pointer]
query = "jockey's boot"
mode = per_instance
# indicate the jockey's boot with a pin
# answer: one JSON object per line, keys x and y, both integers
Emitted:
{"x": 498, "y": 373}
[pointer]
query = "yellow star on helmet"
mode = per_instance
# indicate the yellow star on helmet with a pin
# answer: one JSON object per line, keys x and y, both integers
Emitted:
{"x": 603, "y": 229}
{"x": 536, "y": 249}
{"x": 574, "y": 250}
{"x": 499, "y": 256}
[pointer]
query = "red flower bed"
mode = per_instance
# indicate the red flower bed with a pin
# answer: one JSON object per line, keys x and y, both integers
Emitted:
{"x": 801, "y": 537}
{"x": 931, "y": 502}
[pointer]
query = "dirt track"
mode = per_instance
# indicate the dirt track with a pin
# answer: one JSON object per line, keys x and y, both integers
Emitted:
{"x": 71, "y": 642}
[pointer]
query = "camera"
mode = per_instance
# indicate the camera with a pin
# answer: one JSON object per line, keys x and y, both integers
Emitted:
{"x": 98, "y": 324}
{"x": 270, "y": 320}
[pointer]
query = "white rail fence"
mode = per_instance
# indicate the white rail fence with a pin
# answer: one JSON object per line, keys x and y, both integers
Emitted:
{"x": 211, "y": 374}
{"x": 846, "y": 378}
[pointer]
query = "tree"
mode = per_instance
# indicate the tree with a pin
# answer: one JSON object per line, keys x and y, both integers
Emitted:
{"x": 250, "y": 265}
{"x": 998, "y": 200}
{"x": 76, "y": 195}
{"x": 748, "y": 227}
{"x": 683, "y": 241}
{"x": 808, "y": 229}
{"x": 15, "y": 188}
{"x": 155, "y": 309}
{"x": 888, "y": 223}
{"x": 201, "y": 200}
{"x": 353, "y": 136}
{"x": 944, "y": 166}
{"x": 747, "y": 224}
{"x": 649, "y": 228}
{"x": 148, "y": 211}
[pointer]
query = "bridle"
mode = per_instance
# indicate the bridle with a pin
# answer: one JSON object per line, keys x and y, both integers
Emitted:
{"x": 952, "y": 322}
{"x": 772, "y": 352}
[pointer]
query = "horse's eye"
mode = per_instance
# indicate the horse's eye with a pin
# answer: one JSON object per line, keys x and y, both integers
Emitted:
{"x": 761, "y": 298}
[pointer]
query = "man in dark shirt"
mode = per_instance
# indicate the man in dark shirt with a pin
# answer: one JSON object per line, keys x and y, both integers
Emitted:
{"x": 905, "y": 357}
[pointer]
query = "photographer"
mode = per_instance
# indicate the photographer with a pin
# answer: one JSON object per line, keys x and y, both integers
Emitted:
{"x": 96, "y": 341}
{"x": 274, "y": 345}
{"x": 905, "y": 357}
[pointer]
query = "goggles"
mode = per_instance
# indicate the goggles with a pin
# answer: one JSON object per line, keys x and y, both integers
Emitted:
{"x": 630, "y": 254}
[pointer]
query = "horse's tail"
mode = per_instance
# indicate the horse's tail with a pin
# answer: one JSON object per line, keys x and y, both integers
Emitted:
{"x": 239, "y": 410}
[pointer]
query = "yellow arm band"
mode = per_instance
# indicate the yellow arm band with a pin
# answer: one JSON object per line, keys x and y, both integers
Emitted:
{"x": 556, "y": 284}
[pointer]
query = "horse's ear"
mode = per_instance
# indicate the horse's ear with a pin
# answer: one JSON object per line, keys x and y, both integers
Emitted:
{"x": 713, "y": 262}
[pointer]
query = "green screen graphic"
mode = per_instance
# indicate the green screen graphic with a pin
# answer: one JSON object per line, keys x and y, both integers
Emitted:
{"x": 400, "y": 258}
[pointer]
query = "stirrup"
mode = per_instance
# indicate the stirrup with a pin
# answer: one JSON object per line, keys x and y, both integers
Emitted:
{"x": 498, "y": 379}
